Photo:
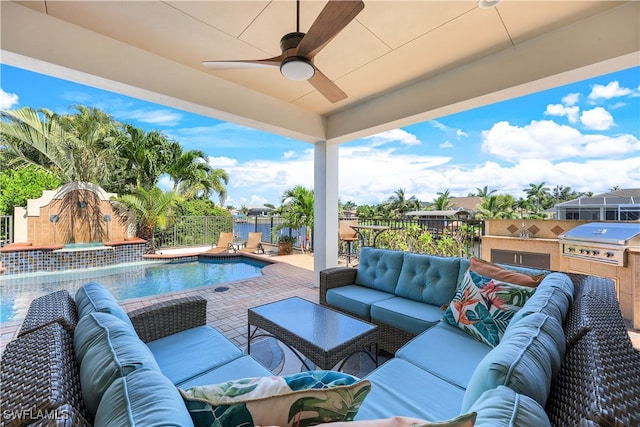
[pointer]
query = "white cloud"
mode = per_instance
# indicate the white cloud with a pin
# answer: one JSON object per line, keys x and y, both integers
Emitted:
{"x": 394, "y": 135}
{"x": 460, "y": 133}
{"x": 158, "y": 117}
{"x": 288, "y": 154}
{"x": 571, "y": 99}
{"x": 446, "y": 144}
{"x": 597, "y": 118}
{"x": 551, "y": 141}
{"x": 7, "y": 100}
{"x": 611, "y": 90}
{"x": 571, "y": 113}
{"x": 222, "y": 162}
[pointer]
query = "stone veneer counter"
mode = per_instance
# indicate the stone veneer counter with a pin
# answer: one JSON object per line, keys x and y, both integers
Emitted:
{"x": 24, "y": 258}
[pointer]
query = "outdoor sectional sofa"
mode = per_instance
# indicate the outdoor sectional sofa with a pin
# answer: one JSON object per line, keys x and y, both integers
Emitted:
{"x": 565, "y": 359}
{"x": 50, "y": 377}
{"x": 73, "y": 359}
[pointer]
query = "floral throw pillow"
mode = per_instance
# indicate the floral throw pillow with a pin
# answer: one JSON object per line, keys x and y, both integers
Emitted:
{"x": 483, "y": 309}
{"x": 304, "y": 399}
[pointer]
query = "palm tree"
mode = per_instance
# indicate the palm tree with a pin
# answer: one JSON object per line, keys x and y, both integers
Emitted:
{"x": 442, "y": 202}
{"x": 484, "y": 192}
{"x": 144, "y": 154}
{"x": 54, "y": 143}
{"x": 496, "y": 206}
{"x": 193, "y": 176}
{"x": 523, "y": 205}
{"x": 399, "y": 204}
{"x": 297, "y": 208}
{"x": 149, "y": 208}
{"x": 538, "y": 193}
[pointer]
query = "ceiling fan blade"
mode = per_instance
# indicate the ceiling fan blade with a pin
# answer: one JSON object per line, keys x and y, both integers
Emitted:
{"x": 243, "y": 64}
{"x": 326, "y": 87}
{"x": 334, "y": 17}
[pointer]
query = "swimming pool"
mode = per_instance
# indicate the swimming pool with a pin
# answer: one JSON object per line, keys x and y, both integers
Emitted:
{"x": 124, "y": 281}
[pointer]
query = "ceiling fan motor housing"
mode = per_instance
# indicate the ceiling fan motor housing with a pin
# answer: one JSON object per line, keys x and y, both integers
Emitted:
{"x": 294, "y": 67}
{"x": 290, "y": 41}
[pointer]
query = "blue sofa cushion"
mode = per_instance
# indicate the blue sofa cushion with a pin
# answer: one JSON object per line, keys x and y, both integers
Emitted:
{"x": 143, "y": 398}
{"x": 427, "y": 278}
{"x": 548, "y": 299}
{"x": 524, "y": 361}
{"x": 379, "y": 269}
{"x": 242, "y": 367}
{"x": 502, "y": 406}
{"x": 114, "y": 351}
{"x": 409, "y": 315}
{"x": 191, "y": 352}
{"x": 356, "y": 299}
{"x": 94, "y": 297}
{"x": 399, "y": 388}
{"x": 445, "y": 351}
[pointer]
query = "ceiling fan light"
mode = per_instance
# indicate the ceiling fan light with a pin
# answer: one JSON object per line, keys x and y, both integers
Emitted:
{"x": 297, "y": 68}
{"x": 487, "y": 4}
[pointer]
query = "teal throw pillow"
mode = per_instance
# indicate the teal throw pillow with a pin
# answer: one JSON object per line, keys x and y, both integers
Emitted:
{"x": 484, "y": 309}
{"x": 304, "y": 399}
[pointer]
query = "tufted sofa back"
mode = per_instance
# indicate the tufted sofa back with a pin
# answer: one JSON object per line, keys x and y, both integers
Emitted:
{"x": 429, "y": 279}
{"x": 379, "y": 269}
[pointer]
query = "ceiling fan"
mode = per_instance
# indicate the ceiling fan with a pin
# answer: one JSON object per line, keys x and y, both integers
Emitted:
{"x": 298, "y": 49}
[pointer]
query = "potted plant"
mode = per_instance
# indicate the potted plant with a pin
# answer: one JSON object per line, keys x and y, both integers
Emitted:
{"x": 285, "y": 244}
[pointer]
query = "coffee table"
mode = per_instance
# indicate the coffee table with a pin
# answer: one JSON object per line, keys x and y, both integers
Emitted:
{"x": 312, "y": 331}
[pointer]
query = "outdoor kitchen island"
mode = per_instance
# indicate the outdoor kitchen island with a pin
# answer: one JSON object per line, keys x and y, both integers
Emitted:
{"x": 556, "y": 240}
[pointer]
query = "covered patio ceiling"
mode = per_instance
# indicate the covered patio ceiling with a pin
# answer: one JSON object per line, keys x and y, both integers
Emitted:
{"x": 399, "y": 62}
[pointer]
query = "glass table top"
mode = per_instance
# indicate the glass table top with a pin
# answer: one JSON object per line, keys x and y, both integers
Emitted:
{"x": 312, "y": 322}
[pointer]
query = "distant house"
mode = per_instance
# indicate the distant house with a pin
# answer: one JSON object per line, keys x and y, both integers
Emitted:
{"x": 619, "y": 205}
{"x": 448, "y": 214}
{"x": 461, "y": 208}
{"x": 259, "y": 210}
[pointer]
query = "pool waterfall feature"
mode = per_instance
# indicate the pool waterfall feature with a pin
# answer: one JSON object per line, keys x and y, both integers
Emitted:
{"x": 64, "y": 229}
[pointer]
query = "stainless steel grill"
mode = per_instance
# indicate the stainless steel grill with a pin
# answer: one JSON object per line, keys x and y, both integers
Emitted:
{"x": 605, "y": 242}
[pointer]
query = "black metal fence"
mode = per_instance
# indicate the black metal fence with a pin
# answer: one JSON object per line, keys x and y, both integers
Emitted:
{"x": 205, "y": 230}
{"x": 413, "y": 234}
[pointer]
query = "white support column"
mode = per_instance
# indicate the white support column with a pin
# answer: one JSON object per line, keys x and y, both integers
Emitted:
{"x": 326, "y": 207}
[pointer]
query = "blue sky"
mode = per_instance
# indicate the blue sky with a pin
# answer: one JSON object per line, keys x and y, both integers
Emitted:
{"x": 584, "y": 135}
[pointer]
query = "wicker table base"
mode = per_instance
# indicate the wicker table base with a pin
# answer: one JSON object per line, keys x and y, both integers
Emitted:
{"x": 324, "y": 336}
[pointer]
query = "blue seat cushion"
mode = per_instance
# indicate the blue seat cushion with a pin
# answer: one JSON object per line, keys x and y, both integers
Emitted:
{"x": 409, "y": 315}
{"x": 144, "y": 397}
{"x": 549, "y": 300}
{"x": 243, "y": 367}
{"x": 94, "y": 297}
{"x": 379, "y": 269}
{"x": 446, "y": 352}
{"x": 356, "y": 299}
{"x": 427, "y": 278}
{"x": 399, "y": 388}
{"x": 191, "y": 352}
{"x": 524, "y": 360}
{"x": 114, "y": 351}
{"x": 502, "y": 406}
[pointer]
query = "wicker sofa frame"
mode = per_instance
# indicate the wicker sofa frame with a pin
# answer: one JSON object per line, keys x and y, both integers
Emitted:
{"x": 39, "y": 375}
{"x": 599, "y": 381}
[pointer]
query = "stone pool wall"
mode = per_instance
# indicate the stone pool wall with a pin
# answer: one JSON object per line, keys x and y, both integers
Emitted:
{"x": 24, "y": 258}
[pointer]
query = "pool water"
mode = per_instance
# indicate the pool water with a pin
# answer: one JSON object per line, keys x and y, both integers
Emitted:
{"x": 124, "y": 282}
